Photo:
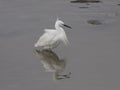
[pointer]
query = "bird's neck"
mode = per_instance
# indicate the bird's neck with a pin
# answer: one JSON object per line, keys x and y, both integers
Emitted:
{"x": 58, "y": 27}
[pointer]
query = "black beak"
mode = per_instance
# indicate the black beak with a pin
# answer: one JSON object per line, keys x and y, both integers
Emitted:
{"x": 67, "y": 26}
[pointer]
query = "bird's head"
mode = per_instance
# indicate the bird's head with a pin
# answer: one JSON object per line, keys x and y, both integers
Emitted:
{"x": 61, "y": 23}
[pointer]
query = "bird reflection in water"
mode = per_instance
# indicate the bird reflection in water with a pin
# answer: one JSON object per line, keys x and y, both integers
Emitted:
{"x": 52, "y": 63}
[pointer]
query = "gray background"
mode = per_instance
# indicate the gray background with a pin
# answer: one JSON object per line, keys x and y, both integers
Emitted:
{"x": 93, "y": 55}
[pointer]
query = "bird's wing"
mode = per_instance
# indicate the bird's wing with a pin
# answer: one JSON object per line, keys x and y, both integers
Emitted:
{"x": 46, "y": 37}
{"x": 62, "y": 37}
{"x": 49, "y": 30}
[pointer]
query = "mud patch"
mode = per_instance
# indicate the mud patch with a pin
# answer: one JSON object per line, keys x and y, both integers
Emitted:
{"x": 86, "y": 1}
{"x": 118, "y": 4}
{"x": 83, "y": 7}
{"x": 94, "y": 22}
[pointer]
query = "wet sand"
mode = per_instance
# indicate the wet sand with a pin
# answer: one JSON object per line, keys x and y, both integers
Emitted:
{"x": 93, "y": 56}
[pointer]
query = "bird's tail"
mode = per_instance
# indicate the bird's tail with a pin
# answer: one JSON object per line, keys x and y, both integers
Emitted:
{"x": 35, "y": 45}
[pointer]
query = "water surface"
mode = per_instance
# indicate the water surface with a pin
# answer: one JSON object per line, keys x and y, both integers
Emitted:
{"x": 93, "y": 55}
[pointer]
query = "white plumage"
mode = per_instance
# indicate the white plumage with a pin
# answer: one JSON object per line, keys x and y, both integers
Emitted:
{"x": 53, "y": 37}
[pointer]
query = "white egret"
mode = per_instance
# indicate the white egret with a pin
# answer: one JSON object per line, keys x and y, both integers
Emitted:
{"x": 52, "y": 63}
{"x": 53, "y": 37}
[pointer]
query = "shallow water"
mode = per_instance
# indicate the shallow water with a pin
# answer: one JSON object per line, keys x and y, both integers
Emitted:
{"x": 93, "y": 55}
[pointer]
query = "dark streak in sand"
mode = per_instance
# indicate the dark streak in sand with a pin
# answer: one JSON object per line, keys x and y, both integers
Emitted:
{"x": 85, "y": 1}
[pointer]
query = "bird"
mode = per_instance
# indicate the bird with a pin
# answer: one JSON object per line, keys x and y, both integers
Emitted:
{"x": 52, "y": 63}
{"x": 53, "y": 37}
